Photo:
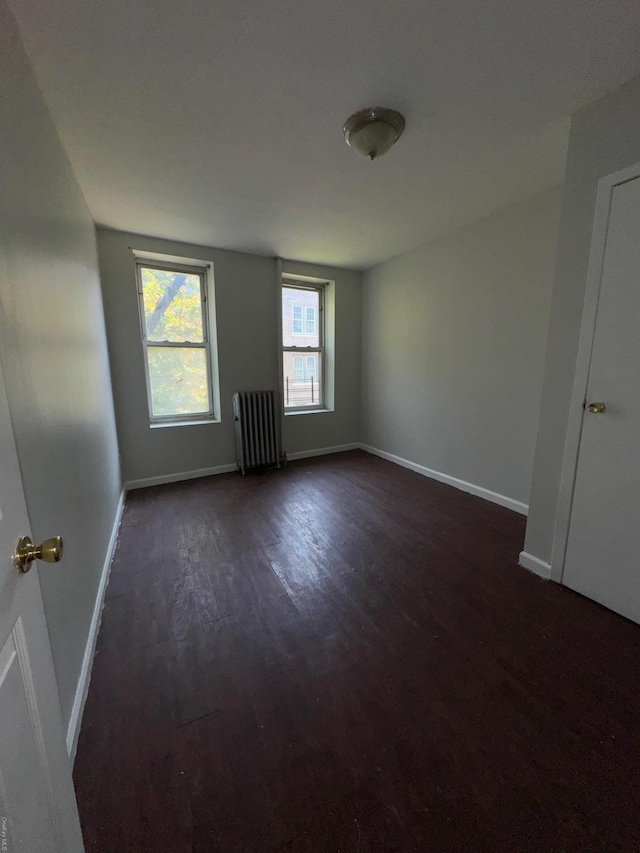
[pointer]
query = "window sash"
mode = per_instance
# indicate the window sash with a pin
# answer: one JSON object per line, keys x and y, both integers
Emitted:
{"x": 177, "y": 344}
{"x": 301, "y": 374}
{"x": 201, "y": 272}
{"x": 300, "y": 350}
{"x": 319, "y": 320}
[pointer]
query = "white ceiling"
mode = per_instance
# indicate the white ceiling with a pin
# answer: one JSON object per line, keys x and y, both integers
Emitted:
{"x": 219, "y": 122}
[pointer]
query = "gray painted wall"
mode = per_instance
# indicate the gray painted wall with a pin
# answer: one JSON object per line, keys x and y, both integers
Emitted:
{"x": 605, "y": 137}
{"x": 453, "y": 348}
{"x": 54, "y": 357}
{"x": 247, "y": 302}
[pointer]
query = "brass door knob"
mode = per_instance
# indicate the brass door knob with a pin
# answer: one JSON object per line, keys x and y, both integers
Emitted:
{"x": 50, "y": 551}
{"x": 596, "y": 408}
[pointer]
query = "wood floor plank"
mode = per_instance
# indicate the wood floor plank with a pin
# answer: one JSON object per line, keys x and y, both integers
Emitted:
{"x": 344, "y": 656}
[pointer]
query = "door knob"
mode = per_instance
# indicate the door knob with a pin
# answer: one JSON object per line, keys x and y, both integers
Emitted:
{"x": 26, "y": 552}
{"x": 596, "y": 408}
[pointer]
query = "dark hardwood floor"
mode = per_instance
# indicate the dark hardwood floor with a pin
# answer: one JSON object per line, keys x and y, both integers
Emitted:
{"x": 345, "y": 656}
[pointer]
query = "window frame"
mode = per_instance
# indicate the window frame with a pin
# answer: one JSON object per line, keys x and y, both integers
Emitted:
{"x": 202, "y": 272}
{"x": 320, "y": 289}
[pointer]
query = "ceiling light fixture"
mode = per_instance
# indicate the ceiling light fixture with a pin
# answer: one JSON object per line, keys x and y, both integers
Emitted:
{"x": 372, "y": 132}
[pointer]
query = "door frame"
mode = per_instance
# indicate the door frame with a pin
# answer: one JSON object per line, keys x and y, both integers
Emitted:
{"x": 571, "y": 453}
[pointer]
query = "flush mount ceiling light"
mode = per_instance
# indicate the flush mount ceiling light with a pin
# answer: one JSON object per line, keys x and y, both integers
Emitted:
{"x": 372, "y": 132}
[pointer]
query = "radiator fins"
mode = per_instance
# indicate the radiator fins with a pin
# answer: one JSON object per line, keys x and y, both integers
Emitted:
{"x": 257, "y": 434}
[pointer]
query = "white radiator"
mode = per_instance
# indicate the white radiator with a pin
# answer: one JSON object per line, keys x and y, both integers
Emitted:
{"x": 257, "y": 429}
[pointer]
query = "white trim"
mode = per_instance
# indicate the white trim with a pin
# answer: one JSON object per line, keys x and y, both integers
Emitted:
{"x": 322, "y": 451}
{"x": 308, "y": 351}
{"x": 606, "y": 186}
{"x": 203, "y": 273}
{"x": 169, "y": 424}
{"x": 535, "y": 565}
{"x": 294, "y": 279}
{"x": 141, "y": 255}
{"x": 463, "y": 485}
{"x": 82, "y": 688}
{"x": 308, "y": 412}
{"x": 130, "y": 485}
{"x": 280, "y": 366}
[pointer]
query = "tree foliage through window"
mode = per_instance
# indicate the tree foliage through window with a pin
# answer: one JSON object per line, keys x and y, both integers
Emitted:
{"x": 173, "y": 314}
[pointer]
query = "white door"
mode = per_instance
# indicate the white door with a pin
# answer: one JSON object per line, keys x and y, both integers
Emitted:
{"x": 603, "y": 550}
{"x": 37, "y": 802}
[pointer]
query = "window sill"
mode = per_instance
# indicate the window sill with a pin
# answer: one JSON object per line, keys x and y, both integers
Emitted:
{"x": 307, "y": 412}
{"x": 164, "y": 425}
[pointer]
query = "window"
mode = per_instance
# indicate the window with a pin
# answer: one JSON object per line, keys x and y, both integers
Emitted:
{"x": 296, "y": 328}
{"x": 309, "y": 314}
{"x": 311, "y": 371}
{"x": 173, "y": 312}
{"x": 305, "y": 368}
{"x": 302, "y": 345}
{"x": 310, "y": 323}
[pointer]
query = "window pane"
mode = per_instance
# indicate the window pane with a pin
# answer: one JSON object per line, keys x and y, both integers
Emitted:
{"x": 310, "y": 326}
{"x": 302, "y": 380}
{"x": 311, "y": 367}
{"x": 172, "y": 305}
{"x": 300, "y": 317}
{"x": 178, "y": 380}
{"x": 296, "y": 327}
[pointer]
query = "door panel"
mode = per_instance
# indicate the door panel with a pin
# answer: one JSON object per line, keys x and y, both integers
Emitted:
{"x": 603, "y": 549}
{"x": 39, "y": 813}
{"x": 28, "y": 791}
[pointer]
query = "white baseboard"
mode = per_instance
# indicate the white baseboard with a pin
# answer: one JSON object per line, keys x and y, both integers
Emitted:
{"x": 480, "y": 491}
{"x": 176, "y": 478}
{"x": 321, "y": 451}
{"x": 130, "y": 485}
{"x": 535, "y": 565}
{"x": 75, "y": 720}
